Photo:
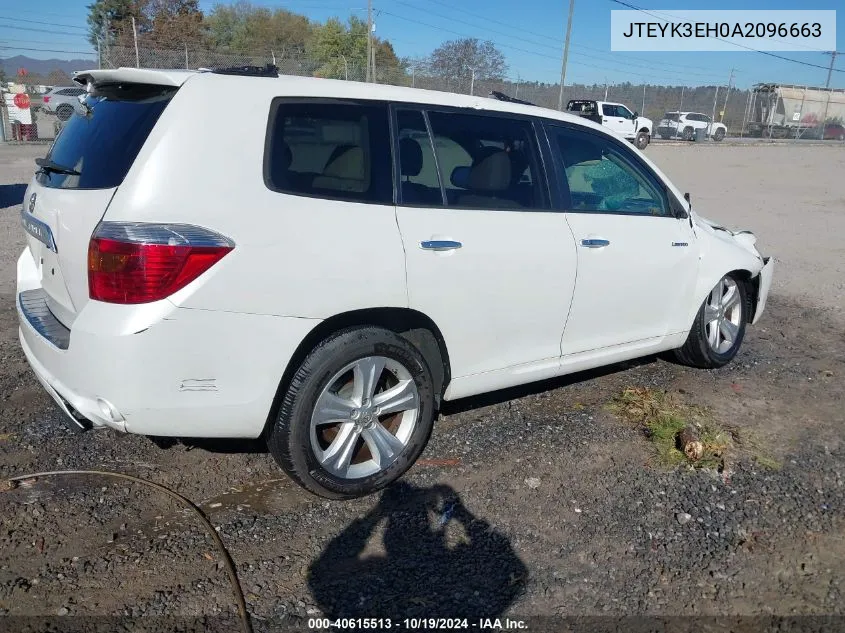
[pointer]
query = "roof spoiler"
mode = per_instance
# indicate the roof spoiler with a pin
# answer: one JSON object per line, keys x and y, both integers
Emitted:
{"x": 171, "y": 78}
{"x": 501, "y": 96}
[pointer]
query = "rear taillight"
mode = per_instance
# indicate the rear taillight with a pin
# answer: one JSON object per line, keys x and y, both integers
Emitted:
{"x": 45, "y": 99}
{"x": 139, "y": 263}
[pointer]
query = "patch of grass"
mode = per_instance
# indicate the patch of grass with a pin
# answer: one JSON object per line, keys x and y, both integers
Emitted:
{"x": 662, "y": 416}
{"x": 768, "y": 462}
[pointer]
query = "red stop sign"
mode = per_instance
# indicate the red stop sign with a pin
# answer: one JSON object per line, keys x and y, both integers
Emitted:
{"x": 22, "y": 101}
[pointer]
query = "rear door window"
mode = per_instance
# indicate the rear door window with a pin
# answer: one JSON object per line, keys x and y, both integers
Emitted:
{"x": 420, "y": 182}
{"x": 488, "y": 162}
{"x": 102, "y": 138}
{"x": 330, "y": 150}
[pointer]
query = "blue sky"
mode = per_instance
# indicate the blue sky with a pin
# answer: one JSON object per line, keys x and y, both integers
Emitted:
{"x": 529, "y": 32}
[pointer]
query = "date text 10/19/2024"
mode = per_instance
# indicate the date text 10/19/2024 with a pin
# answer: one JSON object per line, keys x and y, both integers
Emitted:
{"x": 417, "y": 624}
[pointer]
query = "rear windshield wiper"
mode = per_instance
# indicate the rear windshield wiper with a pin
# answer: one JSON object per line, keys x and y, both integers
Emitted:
{"x": 49, "y": 166}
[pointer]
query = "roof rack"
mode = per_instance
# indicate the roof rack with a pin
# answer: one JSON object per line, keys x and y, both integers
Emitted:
{"x": 249, "y": 71}
{"x": 501, "y": 96}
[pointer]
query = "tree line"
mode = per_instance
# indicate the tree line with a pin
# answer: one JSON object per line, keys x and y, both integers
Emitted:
{"x": 338, "y": 49}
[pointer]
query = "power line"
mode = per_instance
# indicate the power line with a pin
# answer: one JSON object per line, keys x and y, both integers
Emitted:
{"x": 26, "y": 28}
{"x": 45, "y": 50}
{"x": 750, "y": 48}
{"x": 28, "y": 41}
{"x": 70, "y": 26}
{"x": 554, "y": 48}
{"x": 530, "y": 52}
{"x": 40, "y": 12}
{"x": 547, "y": 37}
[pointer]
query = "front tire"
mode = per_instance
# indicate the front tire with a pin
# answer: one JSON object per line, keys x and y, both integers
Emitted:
{"x": 719, "y": 326}
{"x": 357, "y": 414}
{"x": 642, "y": 140}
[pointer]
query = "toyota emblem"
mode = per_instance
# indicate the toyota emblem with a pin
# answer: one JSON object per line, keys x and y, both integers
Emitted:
{"x": 32, "y": 203}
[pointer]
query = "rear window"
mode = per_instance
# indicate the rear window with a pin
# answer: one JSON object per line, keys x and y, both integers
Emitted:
{"x": 330, "y": 150}
{"x": 103, "y": 137}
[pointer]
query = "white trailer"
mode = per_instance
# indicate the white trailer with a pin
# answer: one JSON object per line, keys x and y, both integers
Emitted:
{"x": 782, "y": 111}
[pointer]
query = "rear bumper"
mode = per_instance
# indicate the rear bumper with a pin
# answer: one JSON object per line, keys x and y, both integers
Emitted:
{"x": 766, "y": 274}
{"x": 157, "y": 369}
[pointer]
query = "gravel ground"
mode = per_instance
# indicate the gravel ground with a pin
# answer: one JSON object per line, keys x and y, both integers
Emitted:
{"x": 530, "y": 502}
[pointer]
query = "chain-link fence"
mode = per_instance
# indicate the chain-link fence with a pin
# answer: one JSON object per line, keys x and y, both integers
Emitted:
{"x": 744, "y": 113}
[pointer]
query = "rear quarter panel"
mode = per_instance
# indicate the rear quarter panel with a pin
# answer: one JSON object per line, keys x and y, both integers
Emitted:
{"x": 294, "y": 256}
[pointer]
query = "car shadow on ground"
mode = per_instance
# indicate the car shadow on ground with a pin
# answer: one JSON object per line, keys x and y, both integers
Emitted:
{"x": 418, "y": 553}
{"x": 11, "y": 195}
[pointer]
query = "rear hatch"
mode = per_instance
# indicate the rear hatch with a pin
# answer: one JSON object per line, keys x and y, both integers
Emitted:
{"x": 77, "y": 179}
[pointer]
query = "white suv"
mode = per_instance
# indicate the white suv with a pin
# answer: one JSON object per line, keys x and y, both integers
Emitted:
{"x": 685, "y": 124}
{"x": 346, "y": 257}
{"x": 62, "y": 101}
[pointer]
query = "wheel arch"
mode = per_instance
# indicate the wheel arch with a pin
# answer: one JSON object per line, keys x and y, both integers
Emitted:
{"x": 415, "y": 326}
{"x": 709, "y": 280}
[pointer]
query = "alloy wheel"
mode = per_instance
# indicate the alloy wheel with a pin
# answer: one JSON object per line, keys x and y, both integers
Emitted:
{"x": 723, "y": 315}
{"x": 364, "y": 417}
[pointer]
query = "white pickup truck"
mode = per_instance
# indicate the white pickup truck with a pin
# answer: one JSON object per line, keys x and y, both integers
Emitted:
{"x": 615, "y": 116}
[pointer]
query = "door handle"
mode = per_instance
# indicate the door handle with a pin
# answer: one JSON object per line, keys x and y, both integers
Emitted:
{"x": 440, "y": 245}
{"x": 595, "y": 243}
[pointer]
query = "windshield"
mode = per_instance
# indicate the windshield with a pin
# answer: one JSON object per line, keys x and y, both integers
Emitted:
{"x": 671, "y": 116}
{"x": 105, "y": 134}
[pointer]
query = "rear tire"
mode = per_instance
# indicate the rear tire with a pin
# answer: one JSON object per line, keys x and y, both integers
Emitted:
{"x": 689, "y": 133}
{"x": 719, "y": 327}
{"x": 327, "y": 414}
{"x": 64, "y": 112}
{"x": 719, "y": 135}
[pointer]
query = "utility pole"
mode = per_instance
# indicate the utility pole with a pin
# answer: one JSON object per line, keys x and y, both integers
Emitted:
{"x": 715, "y": 100}
{"x": 374, "y": 65}
{"x": 186, "y": 56}
{"x": 369, "y": 36}
{"x": 642, "y": 112}
{"x": 833, "y": 55}
{"x": 99, "y": 55}
{"x": 472, "y": 82}
{"x": 727, "y": 94}
{"x": 135, "y": 37}
{"x": 565, "y": 54}
{"x": 605, "y": 88}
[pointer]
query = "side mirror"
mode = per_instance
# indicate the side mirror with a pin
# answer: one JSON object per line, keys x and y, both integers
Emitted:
{"x": 689, "y": 202}
{"x": 636, "y": 114}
